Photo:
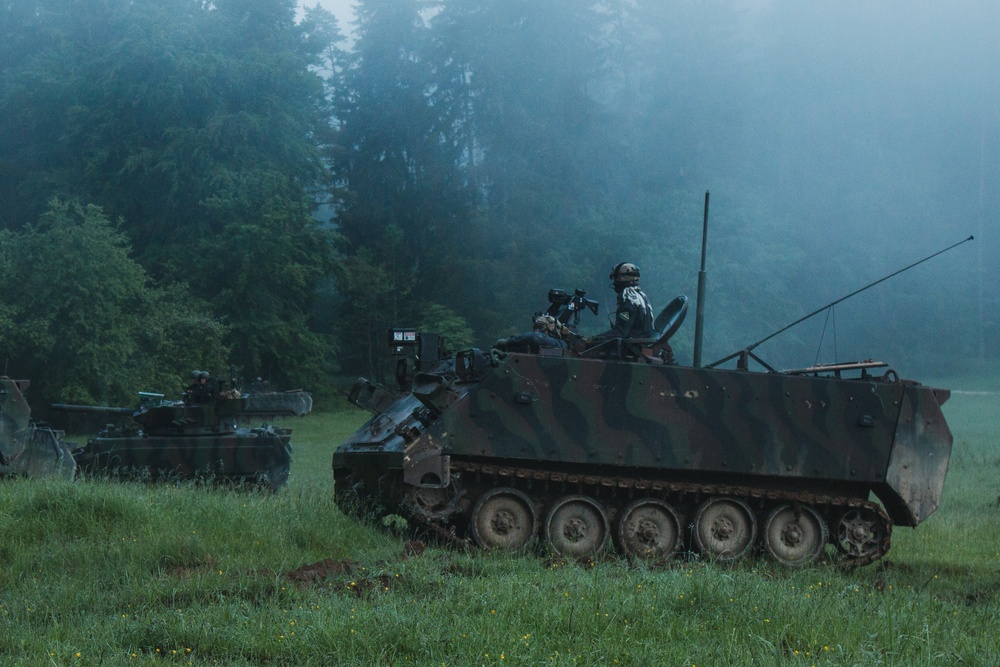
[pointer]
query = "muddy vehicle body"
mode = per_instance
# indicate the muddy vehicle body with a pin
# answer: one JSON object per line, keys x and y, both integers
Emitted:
{"x": 29, "y": 448}
{"x": 608, "y": 442}
{"x": 204, "y": 439}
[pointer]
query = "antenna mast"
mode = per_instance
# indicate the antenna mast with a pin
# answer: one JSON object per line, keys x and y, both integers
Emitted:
{"x": 699, "y": 317}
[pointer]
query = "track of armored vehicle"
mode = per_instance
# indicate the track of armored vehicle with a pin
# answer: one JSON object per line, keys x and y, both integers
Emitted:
{"x": 609, "y": 443}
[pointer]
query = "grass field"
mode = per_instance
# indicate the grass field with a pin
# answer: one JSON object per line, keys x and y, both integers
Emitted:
{"x": 103, "y": 573}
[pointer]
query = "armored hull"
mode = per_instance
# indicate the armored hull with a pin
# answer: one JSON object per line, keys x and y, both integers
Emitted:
{"x": 254, "y": 456}
{"x": 203, "y": 441}
{"x": 507, "y": 448}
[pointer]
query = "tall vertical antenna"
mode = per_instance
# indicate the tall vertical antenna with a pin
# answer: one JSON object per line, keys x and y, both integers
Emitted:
{"x": 699, "y": 318}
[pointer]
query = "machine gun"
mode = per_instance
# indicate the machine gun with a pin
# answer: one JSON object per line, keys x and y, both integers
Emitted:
{"x": 565, "y": 307}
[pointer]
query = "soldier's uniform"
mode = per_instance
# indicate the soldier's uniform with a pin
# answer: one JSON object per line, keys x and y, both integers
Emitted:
{"x": 634, "y": 317}
{"x": 546, "y": 332}
{"x": 206, "y": 390}
{"x": 191, "y": 391}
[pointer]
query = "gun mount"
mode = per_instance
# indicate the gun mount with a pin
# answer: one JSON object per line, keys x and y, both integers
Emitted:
{"x": 565, "y": 307}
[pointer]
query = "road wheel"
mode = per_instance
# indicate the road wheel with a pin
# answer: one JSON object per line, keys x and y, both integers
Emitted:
{"x": 576, "y": 527}
{"x": 503, "y": 518}
{"x": 648, "y": 528}
{"x": 724, "y": 529}
{"x": 795, "y": 535}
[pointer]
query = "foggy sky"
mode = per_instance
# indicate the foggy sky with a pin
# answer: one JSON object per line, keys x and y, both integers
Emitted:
{"x": 342, "y": 9}
{"x": 864, "y": 135}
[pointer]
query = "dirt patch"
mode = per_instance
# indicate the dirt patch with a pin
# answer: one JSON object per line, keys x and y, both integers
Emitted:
{"x": 353, "y": 577}
{"x": 320, "y": 571}
{"x": 365, "y": 585}
{"x": 414, "y": 548}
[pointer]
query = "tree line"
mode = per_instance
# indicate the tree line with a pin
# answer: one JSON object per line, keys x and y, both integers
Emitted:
{"x": 191, "y": 184}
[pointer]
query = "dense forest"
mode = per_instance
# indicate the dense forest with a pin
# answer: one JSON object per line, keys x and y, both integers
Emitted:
{"x": 233, "y": 184}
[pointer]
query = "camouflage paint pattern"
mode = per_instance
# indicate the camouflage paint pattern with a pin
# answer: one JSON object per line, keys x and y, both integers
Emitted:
{"x": 245, "y": 455}
{"x": 794, "y": 432}
{"x": 723, "y": 425}
{"x": 205, "y": 419}
{"x": 173, "y": 439}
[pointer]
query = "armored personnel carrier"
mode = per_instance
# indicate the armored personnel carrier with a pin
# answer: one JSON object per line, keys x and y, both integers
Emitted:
{"x": 201, "y": 437}
{"x": 610, "y": 442}
{"x": 29, "y": 448}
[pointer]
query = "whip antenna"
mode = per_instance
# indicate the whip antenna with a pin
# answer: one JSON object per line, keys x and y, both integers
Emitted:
{"x": 834, "y": 303}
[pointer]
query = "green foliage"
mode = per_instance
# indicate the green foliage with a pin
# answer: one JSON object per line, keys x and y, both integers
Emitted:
{"x": 262, "y": 275}
{"x": 180, "y": 333}
{"x": 402, "y": 206}
{"x": 82, "y": 320}
{"x": 197, "y": 126}
{"x": 443, "y": 320}
{"x": 373, "y": 299}
{"x": 527, "y": 149}
{"x": 471, "y": 157}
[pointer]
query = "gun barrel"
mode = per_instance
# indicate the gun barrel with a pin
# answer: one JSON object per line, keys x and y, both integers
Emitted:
{"x": 65, "y": 407}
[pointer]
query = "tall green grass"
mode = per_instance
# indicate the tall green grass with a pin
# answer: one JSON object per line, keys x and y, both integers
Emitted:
{"x": 106, "y": 573}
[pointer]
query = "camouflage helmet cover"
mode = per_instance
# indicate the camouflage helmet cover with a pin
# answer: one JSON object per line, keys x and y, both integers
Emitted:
{"x": 548, "y": 324}
{"x": 625, "y": 273}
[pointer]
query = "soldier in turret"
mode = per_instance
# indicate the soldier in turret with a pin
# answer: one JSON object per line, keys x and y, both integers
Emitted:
{"x": 201, "y": 390}
{"x": 634, "y": 316}
{"x": 546, "y": 331}
{"x": 206, "y": 390}
{"x": 191, "y": 391}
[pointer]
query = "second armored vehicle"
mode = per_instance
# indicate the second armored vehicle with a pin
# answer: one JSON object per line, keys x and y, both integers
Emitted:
{"x": 198, "y": 438}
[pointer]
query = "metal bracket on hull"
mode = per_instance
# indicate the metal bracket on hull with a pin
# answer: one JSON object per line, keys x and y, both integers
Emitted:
{"x": 426, "y": 468}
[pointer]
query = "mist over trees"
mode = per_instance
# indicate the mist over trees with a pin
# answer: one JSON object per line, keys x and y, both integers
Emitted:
{"x": 199, "y": 131}
{"x": 190, "y": 184}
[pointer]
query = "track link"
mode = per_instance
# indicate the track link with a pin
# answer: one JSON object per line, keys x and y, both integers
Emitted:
{"x": 600, "y": 486}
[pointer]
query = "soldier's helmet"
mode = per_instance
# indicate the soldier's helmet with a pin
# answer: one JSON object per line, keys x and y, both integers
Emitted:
{"x": 195, "y": 374}
{"x": 549, "y": 325}
{"x": 203, "y": 375}
{"x": 625, "y": 274}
